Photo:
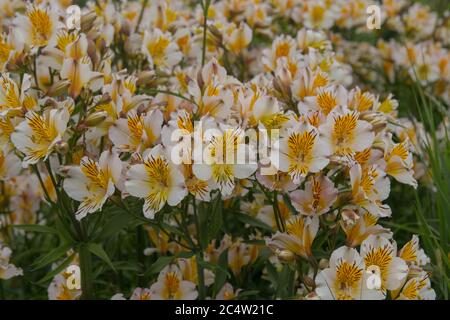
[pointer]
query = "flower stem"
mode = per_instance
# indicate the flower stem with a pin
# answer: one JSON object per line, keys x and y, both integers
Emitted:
{"x": 86, "y": 272}
{"x": 199, "y": 256}
{"x": 205, "y": 27}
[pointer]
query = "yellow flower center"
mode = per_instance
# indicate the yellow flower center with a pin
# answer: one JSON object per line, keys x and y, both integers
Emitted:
{"x": 42, "y": 26}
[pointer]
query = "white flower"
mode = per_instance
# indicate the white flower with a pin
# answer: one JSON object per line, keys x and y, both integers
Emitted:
{"x": 161, "y": 50}
{"x": 345, "y": 279}
{"x": 92, "y": 183}
{"x": 157, "y": 180}
{"x": 171, "y": 286}
{"x": 7, "y": 270}
{"x": 38, "y": 135}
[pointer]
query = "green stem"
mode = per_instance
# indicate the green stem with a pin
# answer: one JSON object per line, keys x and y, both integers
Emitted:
{"x": 205, "y": 26}
{"x": 86, "y": 272}
{"x": 200, "y": 272}
{"x": 2, "y": 291}
{"x": 140, "y": 242}
{"x": 141, "y": 15}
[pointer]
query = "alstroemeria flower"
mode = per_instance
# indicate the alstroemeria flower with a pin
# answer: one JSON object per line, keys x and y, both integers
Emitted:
{"x": 10, "y": 164}
{"x": 317, "y": 197}
{"x": 38, "y": 135}
{"x": 365, "y": 225}
{"x": 92, "y": 183}
{"x": 38, "y": 27}
{"x": 345, "y": 279}
{"x": 370, "y": 187}
{"x": 14, "y": 99}
{"x": 7, "y": 270}
{"x": 161, "y": 50}
{"x": 380, "y": 252}
{"x": 137, "y": 132}
{"x": 171, "y": 286}
{"x": 302, "y": 151}
{"x": 225, "y": 158}
{"x": 157, "y": 180}
{"x": 77, "y": 67}
{"x": 399, "y": 162}
{"x": 298, "y": 238}
{"x": 344, "y": 133}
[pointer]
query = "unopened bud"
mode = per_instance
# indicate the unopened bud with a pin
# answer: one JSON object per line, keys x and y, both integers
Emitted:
{"x": 323, "y": 263}
{"x": 58, "y": 88}
{"x": 87, "y": 21}
{"x": 285, "y": 255}
{"x": 376, "y": 119}
{"x": 145, "y": 77}
{"x": 96, "y": 118}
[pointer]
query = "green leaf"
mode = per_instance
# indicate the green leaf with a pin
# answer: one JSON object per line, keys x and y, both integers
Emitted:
{"x": 115, "y": 224}
{"x": 158, "y": 265}
{"x": 245, "y": 218}
{"x": 97, "y": 249}
{"x": 211, "y": 266}
{"x": 215, "y": 218}
{"x": 221, "y": 276}
{"x": 36, "y": 228}
{"x": 55, "y": 271}
{"x": 52, "y": 256}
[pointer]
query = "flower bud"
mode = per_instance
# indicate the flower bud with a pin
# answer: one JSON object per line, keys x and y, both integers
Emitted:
{"x": 145, "y": 77}
{"x": 58, "y": 88}
{"x": 323, "y": 264}
{"x": 376, "y": 119}
{"x": 96, "y": 118}
{"x": 285, "y": 255}
{"x": 87, "y": 21}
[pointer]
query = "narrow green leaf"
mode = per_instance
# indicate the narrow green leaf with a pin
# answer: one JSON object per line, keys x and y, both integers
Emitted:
{"x": 245, "y": 218}
{"x": 97, "y": 249}
{"x": 36, "y": 228}
{"x": 55, "y": 271}
{"x": 158, "y": 265}
{"x": 52, "y": 256}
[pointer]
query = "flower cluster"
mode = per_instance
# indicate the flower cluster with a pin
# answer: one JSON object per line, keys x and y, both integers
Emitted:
{"x": 121, "y": 129}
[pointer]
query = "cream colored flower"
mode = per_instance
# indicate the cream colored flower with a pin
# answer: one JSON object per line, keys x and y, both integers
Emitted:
{"x": 10, "y": 164}
{"x": 77, "y": 67}
{"x": 344, "y": 133}
{"x": 399, "y": 161}
{"x": 370, "y": 186}
{"x": 238, "y": 38}
{"x": 345, "y": 279}
{"x": 302, "y": 151}
{"x": 15, "y": 99}
{"x": 137, "y": 132}
{"x": 364, "y": 226}
{"x": 161, "y": 50}
{"x": 38, "y": 135}
{"x": 7, "y": 269}
{"x": 171, "y": 286}
{"x": 157, "y": 180}
{"x": 317, "y": 197}
{"x": 298, "y": 238}
{"x": 380, "y": 252}
{"x": 225, "y": 158}
{"x": 227, "y": 292}
{"x": 38, "y": 27}
{"x": 413, "y": 254}
{"x": 92, "y": 183}
{"x": 417, "y": 288}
